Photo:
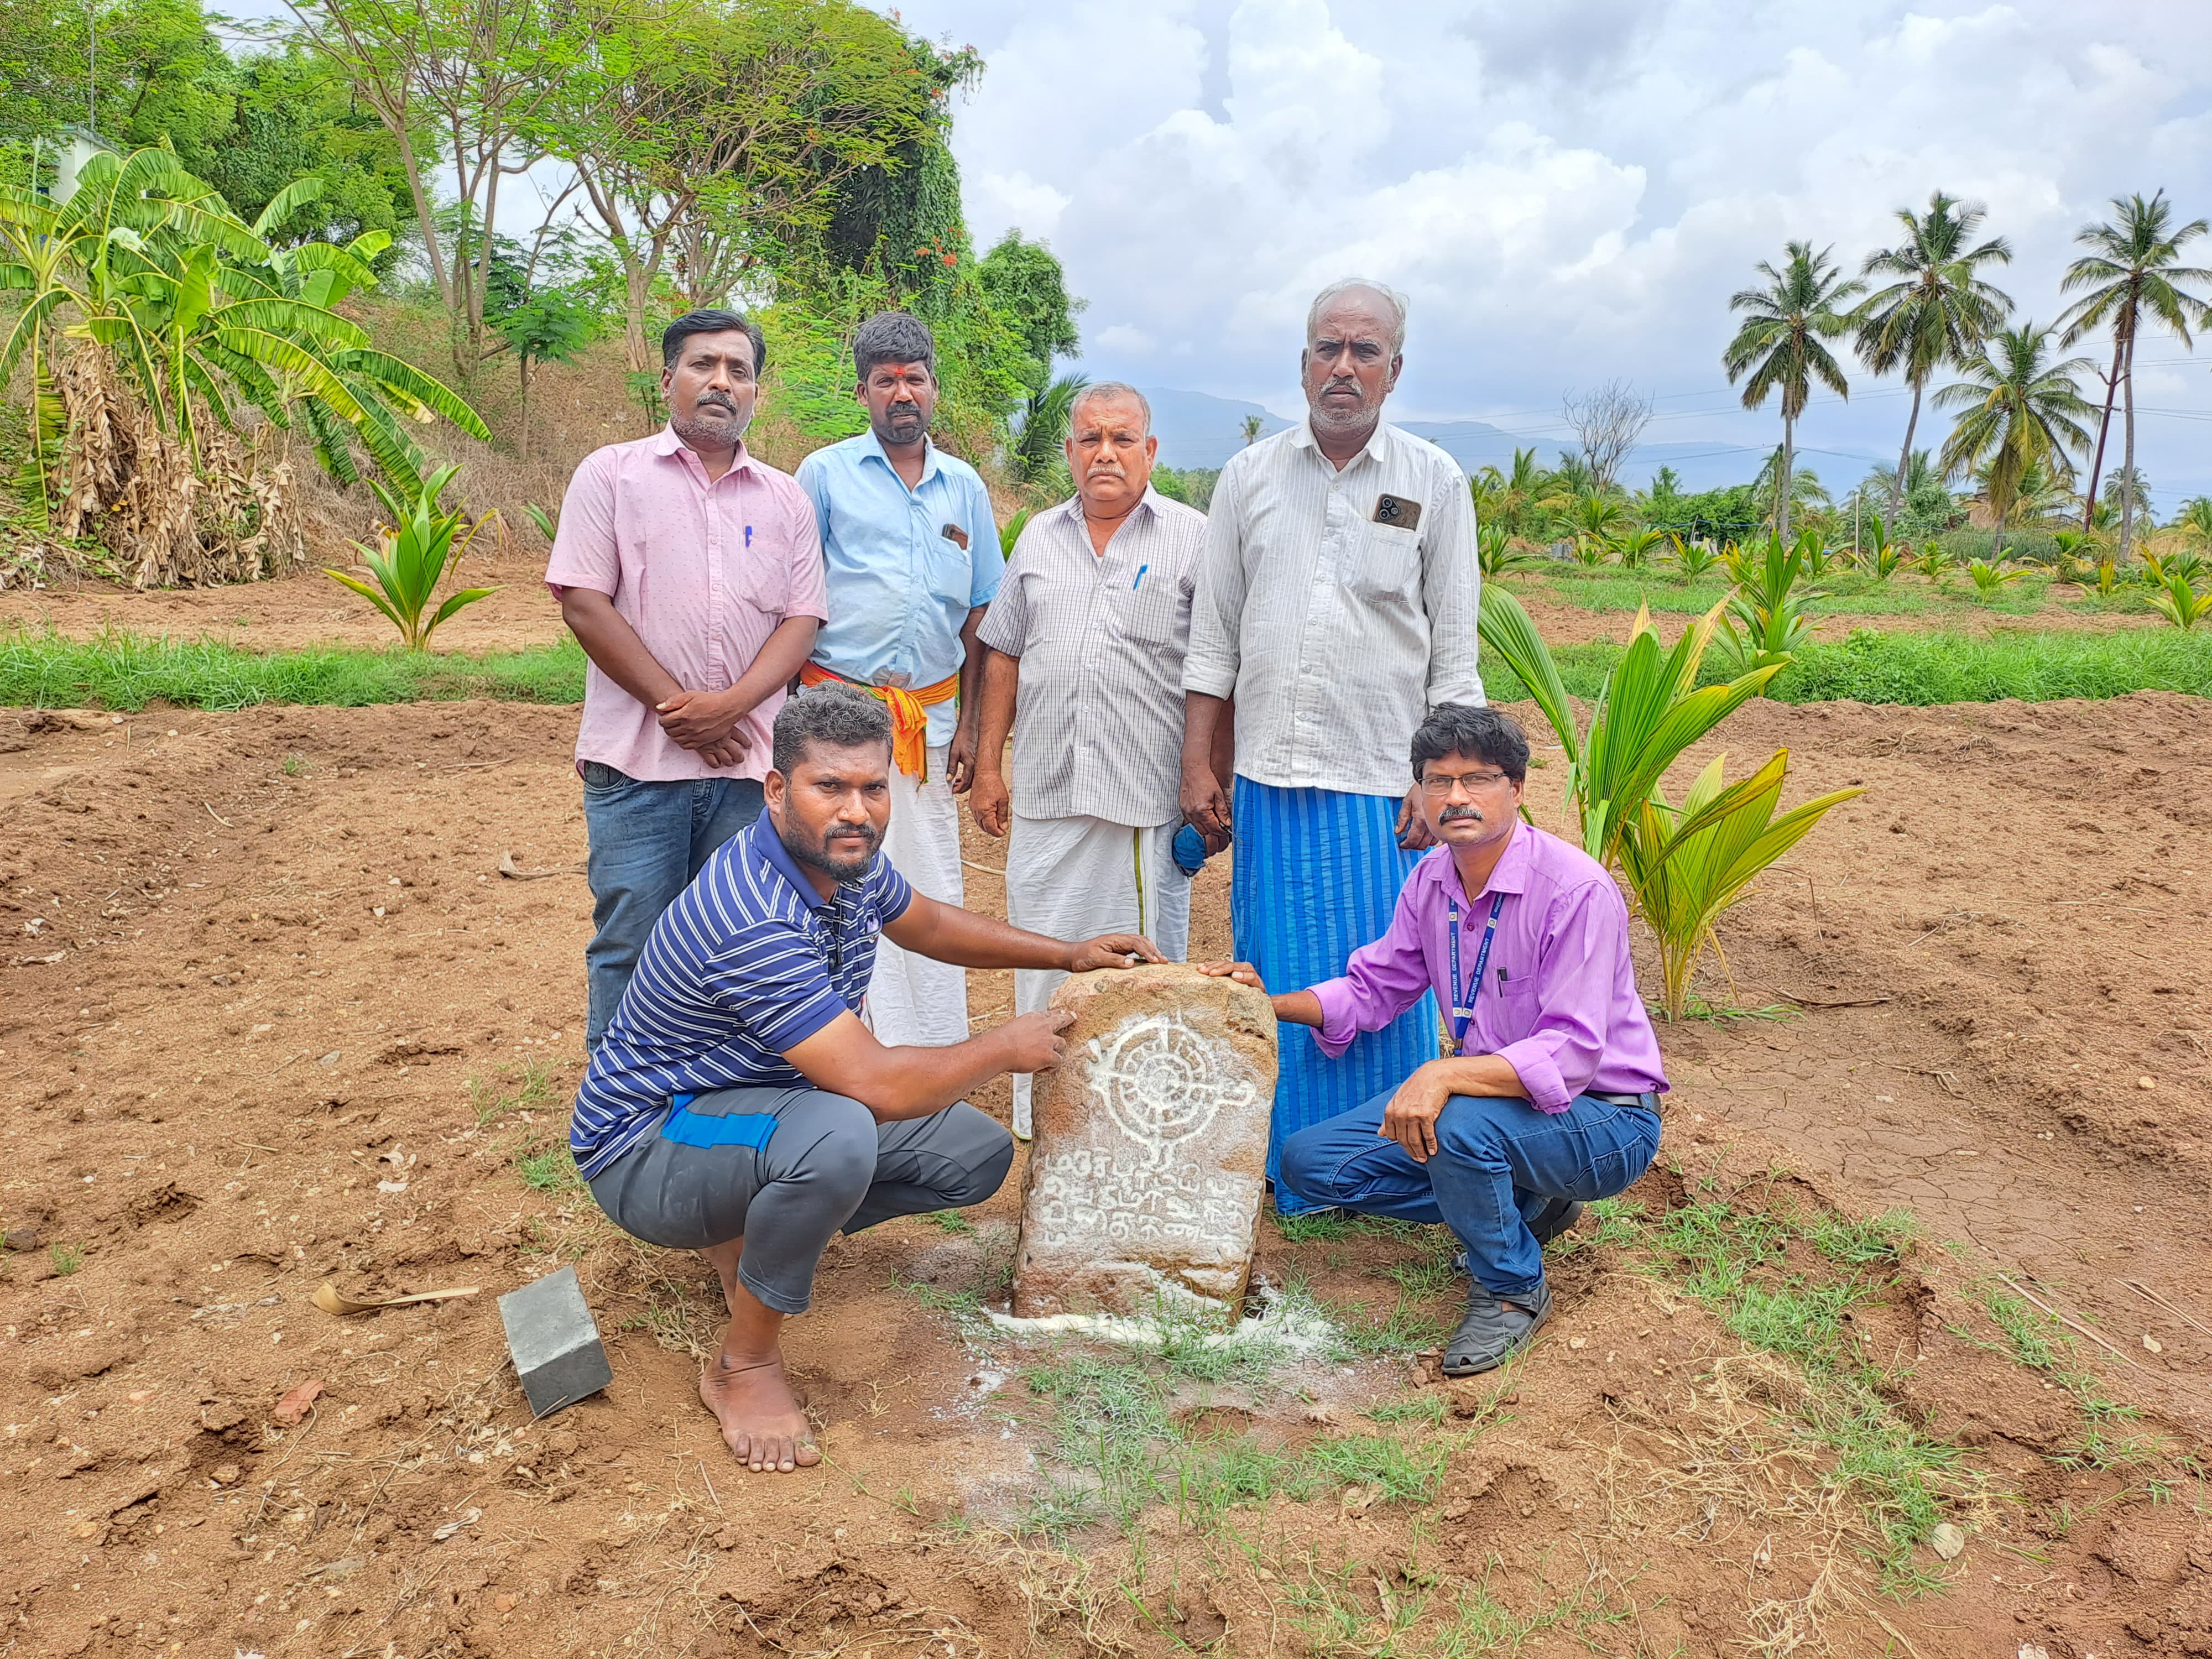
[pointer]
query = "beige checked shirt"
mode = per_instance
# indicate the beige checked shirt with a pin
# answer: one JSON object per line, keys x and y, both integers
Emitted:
{"x": 1337, "y": 614}
{"x": 1098, "y": 711}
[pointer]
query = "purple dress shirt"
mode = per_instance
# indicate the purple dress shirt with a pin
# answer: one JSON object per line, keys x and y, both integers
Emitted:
{"x": 1559, "y": 1001}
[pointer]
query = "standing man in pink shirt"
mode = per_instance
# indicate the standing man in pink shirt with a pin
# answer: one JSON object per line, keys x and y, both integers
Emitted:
{"x": 691, "y": 574}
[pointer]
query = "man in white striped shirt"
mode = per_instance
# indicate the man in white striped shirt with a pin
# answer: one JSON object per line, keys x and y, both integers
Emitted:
{"x": 1086, "y": 637}
{"x": 1337, "y": 602}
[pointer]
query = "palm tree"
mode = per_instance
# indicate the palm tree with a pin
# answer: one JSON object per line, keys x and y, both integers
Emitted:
{"x": 2132, "y": 268}
{"x": 1037, "y": 452}
{"x": 2019, "y": 412}
{"x": 1781, "y": 344}
{"x": 1941, "y": 311}
{"x": 1252, "y": 425}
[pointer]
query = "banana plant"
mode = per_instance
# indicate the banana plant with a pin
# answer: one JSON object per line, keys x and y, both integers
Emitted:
{"x": 1686, "y": 864}
{"x": 1650, "y": 709}
{"x": 1767, "y": 621}
{"x": 413, "y": 555}
{"x": 2179, "y": 603}
{"x": 200, "y": 312}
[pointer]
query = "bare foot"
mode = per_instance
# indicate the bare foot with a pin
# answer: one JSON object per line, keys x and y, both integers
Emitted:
{"x": 723, "y": 1259}
{"x": 762, "y": 1424}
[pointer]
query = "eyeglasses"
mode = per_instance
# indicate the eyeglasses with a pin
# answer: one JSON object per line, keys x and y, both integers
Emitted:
{"x": 1472, "y": 782}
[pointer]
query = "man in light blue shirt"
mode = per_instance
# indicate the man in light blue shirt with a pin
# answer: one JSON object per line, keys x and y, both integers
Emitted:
{"x": 912, "y": 551}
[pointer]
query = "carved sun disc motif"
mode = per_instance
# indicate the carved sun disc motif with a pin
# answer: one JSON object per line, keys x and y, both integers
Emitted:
{"x": 1161, "y": 1084}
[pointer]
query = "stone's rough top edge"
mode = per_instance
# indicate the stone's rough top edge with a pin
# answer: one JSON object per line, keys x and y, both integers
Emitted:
{"x": 1241, "y": 1003}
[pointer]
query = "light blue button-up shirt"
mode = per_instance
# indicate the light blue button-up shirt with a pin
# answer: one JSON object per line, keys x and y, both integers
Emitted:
{"x": 900, "y": 587}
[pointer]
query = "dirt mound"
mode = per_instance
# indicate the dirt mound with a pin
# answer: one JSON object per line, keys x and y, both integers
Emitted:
{"x": 272, "y": 1015}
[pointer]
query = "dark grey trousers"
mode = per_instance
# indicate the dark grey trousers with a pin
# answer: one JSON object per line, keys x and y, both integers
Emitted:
{"x": 784, "y": 1168}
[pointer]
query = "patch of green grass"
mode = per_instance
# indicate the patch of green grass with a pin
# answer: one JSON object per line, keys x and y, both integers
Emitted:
{"x": 297, "y": 766}
{"x": 1939, "y": 667}
{"x": 1407, "y": 1328}
{"x": 950, "y": 1221}
{"x": 1427, "y": 1408}
{"x": 65, "y": 1259}
{"x": 1400, "y": 1473}
{"x": 1351, "y": 1609}
{"x": 550, "y": 1169}
{"x": 127, "y": 671}
{"x": 2042, "y": 1343}
{"x": 1738, "y": 1263}
{"x": 1926, "y": 669}
{"x": 517, "y": 1089}
{"x": 1320, "y": 1224}
{"x": 1117, "y": 1450}
{"x": 965, "y": 1304}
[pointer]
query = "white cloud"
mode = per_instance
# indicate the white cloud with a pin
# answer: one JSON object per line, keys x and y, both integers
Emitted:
{"x": 1567, "y": 193}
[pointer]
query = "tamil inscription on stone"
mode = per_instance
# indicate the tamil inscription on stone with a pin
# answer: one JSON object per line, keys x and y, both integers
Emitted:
{"x": 1151, "y": 1154}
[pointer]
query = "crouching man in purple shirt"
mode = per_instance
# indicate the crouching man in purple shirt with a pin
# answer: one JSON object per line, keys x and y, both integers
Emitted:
{"x": 1550, "y": 1097}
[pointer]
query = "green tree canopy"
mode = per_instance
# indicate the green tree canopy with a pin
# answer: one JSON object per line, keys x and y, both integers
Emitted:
{"x": 1024, "y": 281}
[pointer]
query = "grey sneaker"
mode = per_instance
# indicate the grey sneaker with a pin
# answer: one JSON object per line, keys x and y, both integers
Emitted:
{"x": 1494, "y": 1331}
{"x": 1557, "y": 1216}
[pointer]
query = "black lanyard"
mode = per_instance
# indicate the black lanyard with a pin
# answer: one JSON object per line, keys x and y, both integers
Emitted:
{"x": 1463, "y": 1007}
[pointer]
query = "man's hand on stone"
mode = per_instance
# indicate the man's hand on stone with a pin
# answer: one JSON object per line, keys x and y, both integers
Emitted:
{"x": 1410, "y": 1118}
{"x": 1038, "y": 1045}
{"x": 989, "y": 803}
{"x": 700, "y": 721}
{"x": 1412, "y": 828}
{"x": 1111, "y": 950}
{"x": 1243, "y": 972}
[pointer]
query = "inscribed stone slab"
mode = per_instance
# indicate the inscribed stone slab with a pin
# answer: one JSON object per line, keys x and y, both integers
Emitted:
{"x": 1151, "y": 1154}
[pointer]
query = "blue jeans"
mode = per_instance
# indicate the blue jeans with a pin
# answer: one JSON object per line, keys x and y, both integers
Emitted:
{"x": 1499, "y": 1161}
{"x": 648, "y": 841}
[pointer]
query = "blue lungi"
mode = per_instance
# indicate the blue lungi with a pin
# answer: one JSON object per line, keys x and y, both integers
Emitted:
{"x": 1317, "y": 876}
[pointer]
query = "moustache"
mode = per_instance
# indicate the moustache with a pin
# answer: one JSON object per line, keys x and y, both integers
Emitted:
{"x": 866, "y": 832}
{"x": 716, "y": 400}
{"x": 1459, "y": 814}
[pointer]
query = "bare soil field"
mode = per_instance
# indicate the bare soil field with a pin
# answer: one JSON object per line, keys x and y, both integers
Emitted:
{"x": 271, "y": 1015}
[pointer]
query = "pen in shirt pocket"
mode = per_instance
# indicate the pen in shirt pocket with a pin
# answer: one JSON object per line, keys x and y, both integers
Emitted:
{"x": 1140, "y": 582}
{"x": 749, "y": 535}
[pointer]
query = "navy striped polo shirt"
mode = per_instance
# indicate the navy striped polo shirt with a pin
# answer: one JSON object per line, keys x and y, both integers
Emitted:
{"x": 748, "y": 963}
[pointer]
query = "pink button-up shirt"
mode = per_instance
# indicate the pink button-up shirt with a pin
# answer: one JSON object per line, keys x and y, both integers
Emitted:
{"x": 1557, "y": 1001}
{"x": 704, "y": 571}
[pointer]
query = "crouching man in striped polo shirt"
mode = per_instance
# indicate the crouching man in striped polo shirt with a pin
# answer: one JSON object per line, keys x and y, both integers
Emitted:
{"x": 738, "y": 1107}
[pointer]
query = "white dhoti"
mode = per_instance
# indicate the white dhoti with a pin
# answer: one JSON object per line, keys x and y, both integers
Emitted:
{"x": 914, "y": 1002}
{"x": 1074, "y": 878}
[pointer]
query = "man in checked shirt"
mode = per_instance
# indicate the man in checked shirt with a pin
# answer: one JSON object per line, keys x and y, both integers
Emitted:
{"x": 1086, "y": 639}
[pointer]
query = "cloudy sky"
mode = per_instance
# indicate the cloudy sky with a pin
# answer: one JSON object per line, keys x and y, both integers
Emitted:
{"x": 1568, "y": 190}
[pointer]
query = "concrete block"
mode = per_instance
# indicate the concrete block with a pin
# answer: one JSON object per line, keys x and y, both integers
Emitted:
{"x": 553, "y": 1342}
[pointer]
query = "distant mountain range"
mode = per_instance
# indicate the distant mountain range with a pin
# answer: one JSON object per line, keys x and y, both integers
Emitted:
{"x": 1196, "y": 430}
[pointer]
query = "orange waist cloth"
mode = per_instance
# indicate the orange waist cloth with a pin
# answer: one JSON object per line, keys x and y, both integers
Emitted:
{"x": 909, "y": 725}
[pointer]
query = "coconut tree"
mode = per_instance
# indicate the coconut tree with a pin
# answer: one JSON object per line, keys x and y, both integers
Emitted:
{"x": 2019, "y": 413}
{"x": 2132, "y": 273}
{"x": 1782, "y": 344}
{"x": 1939, "y": 311}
